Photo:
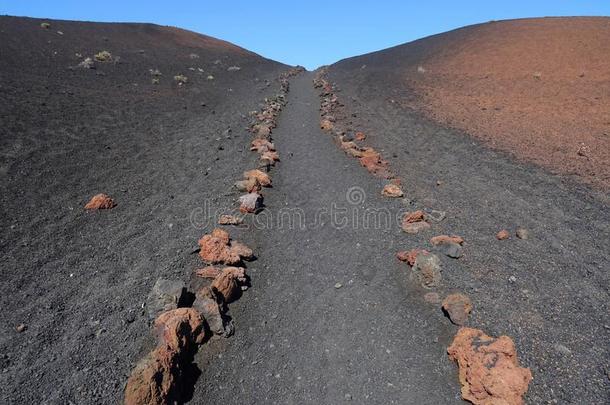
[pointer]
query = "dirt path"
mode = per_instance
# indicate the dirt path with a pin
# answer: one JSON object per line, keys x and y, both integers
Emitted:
{"x": 298, "y": 337}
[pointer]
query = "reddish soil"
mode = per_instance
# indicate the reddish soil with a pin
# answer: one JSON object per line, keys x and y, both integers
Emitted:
{"x": 538, "y": 88}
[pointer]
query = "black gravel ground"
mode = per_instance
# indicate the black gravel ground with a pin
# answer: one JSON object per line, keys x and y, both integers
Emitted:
{"x": 78, "y": 279}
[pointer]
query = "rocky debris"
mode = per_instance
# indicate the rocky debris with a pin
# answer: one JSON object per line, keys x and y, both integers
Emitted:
{"x": 217, "y": 248}
{"x": 251, "y": 185}
{"x": 103, "y": 56}
{"x": 453, "y": 250}
{"x": 432, "y": 298}
{"x": 229, "y": 220}
{"x": 206, "y": 302}
{"x": 208, "y": 272}
{"x": 458, "y": 307}
{"x": 489, "y": 370}
{"x": 87, "y": 63}
{"x": 427, "y": 270}
{"x": 100, "y": 202}
{"x": 410, "y": 256}
{"x": 262, "y": 177}
{"x": 250, "y": 203}
{"x": 180, "y": 330}
{"x": 233, "y": 69}
{"x": 392, "y": 191}
{"x": 360, "y": 136}
{"x": 270, "y": 157}
{"x": 414, "y": 222}
{"x": 181, "y": 79}
{"x": 326, "y": 125}
{"x": 229, "y": 283}
{"x": 165, "y": 295}
{"x": 522, "y": 233}
{"x": 372, "y": 161}
{"x": 262, "y": 145}
{"x": 444, "y": 239}
{"x": 21, "y": 328}
{"x": 350, "y": 148}
{"x": 242, "y": 250}
{"x": 503, "y": 234}
{"x": 45, "y": 25}
{"x": 154, "y": 380}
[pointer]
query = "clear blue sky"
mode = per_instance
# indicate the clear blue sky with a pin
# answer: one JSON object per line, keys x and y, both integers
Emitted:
{"x": 310, "y": 33}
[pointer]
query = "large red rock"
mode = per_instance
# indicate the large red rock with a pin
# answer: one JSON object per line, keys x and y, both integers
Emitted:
{"x": 100, "y": 202}
{"x": 229, "y": 282}
{"x": 208, "y": 272}
{"x": 489, "y": 370}
{"x": 180, "y": 330}
{"x": 154, "y": 380}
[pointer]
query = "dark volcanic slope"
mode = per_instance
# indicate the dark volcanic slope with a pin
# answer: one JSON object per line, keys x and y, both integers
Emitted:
{"x": 549, "y": 292}
{"x": 538, "y": 88}
{"x": 78, "y": 279}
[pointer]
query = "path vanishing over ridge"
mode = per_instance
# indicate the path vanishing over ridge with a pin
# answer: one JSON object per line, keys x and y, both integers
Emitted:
{"x": 298, "y": 338}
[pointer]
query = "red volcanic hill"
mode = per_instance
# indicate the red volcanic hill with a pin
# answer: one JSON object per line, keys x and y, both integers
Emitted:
{"x": 538, "y": 88}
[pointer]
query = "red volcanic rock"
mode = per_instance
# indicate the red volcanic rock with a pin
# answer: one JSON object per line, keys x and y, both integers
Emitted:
{"x": 262, "y": 177}
{"x": 217, "y": 247}
{"x": 445, "y": 239}
{"x": 410, "y": 256}
{"x": 488, "y": 368}
{"x": 228, "y": 283}
{"x": 215, "y": 250}
{"x": 221, "y": 234}
{"x": 374, "y": 163}
{"x": 458, "y": 307}
{"x": 326, "y": 125}
{"x": 351, "y": 149}
{"x": 229, "y": 220}
{"x": 414, "y": 222}
{"x": 154, "y": 380}
{"x": 100, "y": 202}
{"x": 180, "y": 330}
{"x": 242, "y": 250}
{"x": 208, "y": 272}
{"x": 503, "y": 234}
{"x": 250, "y": 185}
{"x": 262, "y": 145}
{"x": 360, "y": 136}
{"x": 270, "y": 156}
{"x": 261, "y": 130}
{"x": 392, "y": 191}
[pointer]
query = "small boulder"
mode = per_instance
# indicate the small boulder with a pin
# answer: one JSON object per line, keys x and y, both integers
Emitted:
{"x": 414, "y": 222}
{"x": 262, "y": 177}
{"x": 250, "y": 203}
{"x": 249, "y": 185}
{"x": 165, "y": 296}
{"x": 206, "y": 302}
{"x": 458, "y": 307}
{"x": 154, "y": 380}
{"x": 427, "y": 270}
{"x": 228, "y": 283}
{"x": 208, "y": 272}
{"x": 229, "y": 220}
{"x": 180, "y": 330}
{"x": 502, "y": 235}
{"x": 522, "y": 233}
{"x": 326, "y": 125}
{"x": 215, "y": 250}
{"x": 392, "y": 191}
{"x": 100, "y": 202}
{"x": 489, "y": 370}
{"x": 444, "y": 239}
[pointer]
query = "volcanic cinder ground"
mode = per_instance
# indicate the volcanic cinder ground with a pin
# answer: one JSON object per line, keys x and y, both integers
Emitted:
{"x": 497, "y": 126}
